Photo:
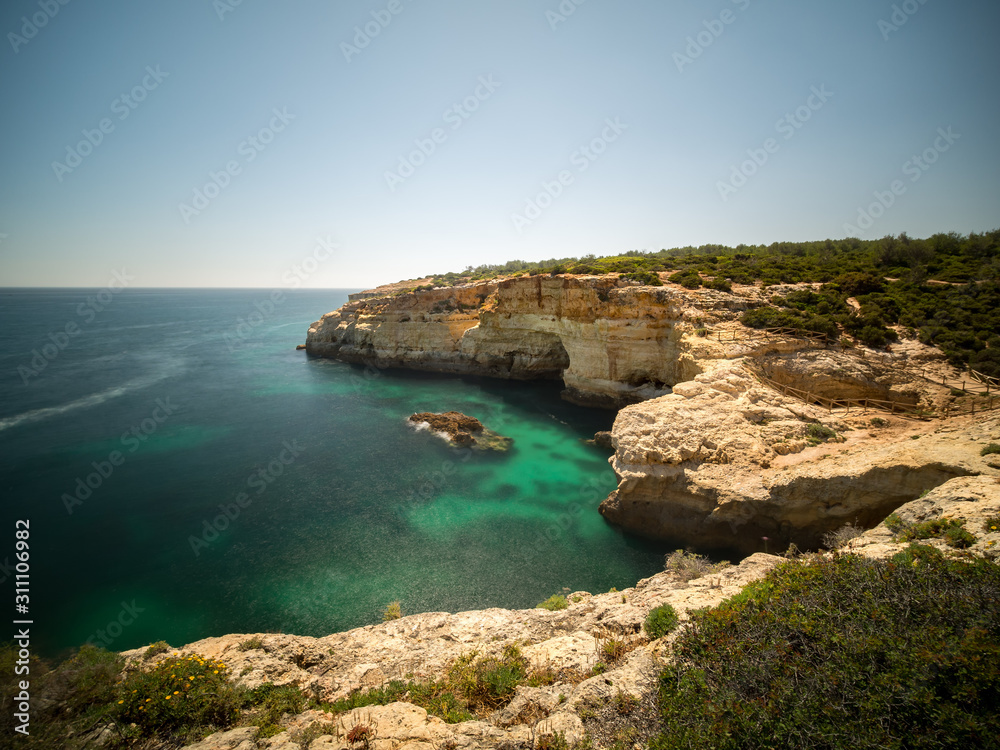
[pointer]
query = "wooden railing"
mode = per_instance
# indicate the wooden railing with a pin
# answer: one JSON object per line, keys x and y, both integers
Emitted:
{"x": 897, "y": 408}
{"x": 758, "y": 333}
{"x": 972, "y": 381}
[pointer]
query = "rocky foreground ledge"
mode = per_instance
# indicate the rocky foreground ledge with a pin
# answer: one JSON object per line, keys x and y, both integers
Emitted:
{"x": 569, "y": 641}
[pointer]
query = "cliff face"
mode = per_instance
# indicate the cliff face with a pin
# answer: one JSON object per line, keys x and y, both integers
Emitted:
{"x": 610, "y": 342}
{"x": 725, "y": 461}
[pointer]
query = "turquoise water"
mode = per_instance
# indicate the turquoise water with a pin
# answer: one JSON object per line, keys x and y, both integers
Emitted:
{"x": 332, "y": 506}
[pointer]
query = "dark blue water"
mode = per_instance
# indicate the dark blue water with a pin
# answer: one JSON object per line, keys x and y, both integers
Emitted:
{"x": 187, "y": 473}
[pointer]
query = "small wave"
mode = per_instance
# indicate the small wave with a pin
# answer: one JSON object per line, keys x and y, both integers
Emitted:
{"x": 426, "y": 426}
{"x": 95, "y": 399}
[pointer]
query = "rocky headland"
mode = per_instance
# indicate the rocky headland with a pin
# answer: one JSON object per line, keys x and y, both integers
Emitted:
{"x": 725, "y": 438}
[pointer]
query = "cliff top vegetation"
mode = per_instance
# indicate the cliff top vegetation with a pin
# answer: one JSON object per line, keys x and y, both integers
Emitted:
{"x": 944, "y": 290}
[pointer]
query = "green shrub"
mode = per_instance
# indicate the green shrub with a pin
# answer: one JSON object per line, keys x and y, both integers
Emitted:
{"x": 843, "y": 653}
{"x": 436, "y": 697}
{"x": 990, "y": 450}
{"x": 488, "y": 683}
{"x": 268, "y": 703}
{"x": 991, "y": 524}
{"x": 393, "y": 611}
{"x": 553, "y": 603}
{"x": 254, "y": 642}
{"x": 155, "y": 649}
{"x": 687, "y": 279}
{"x": 661, "y": 621}
{"x": 950, "y": 530}
{"x": 818, "y": 433}
{"x": 643, "y": 277}
{"x": 67, "y": 702}
{"x": 178, "y": 698}
{"x": 720, "y": 285}
{"x": 879, "y": 422}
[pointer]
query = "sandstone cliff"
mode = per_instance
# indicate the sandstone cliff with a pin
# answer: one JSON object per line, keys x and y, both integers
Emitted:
{"x": 611, "y": 342}
{"x": 725, "y": 461}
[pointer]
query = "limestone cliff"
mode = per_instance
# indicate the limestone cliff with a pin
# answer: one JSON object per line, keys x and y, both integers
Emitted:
{"x": 612, "y": 342}
{"x": 709, "y": 456}
{"x": 725, "y": 461}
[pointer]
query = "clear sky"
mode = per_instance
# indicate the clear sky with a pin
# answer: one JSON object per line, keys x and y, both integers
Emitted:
{"x": 414, "y": 133}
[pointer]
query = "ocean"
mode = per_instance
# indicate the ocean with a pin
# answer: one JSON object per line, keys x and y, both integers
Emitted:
{"x": 186, "y": 473}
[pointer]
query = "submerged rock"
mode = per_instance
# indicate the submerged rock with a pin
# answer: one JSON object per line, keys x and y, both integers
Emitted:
{"x": 462, "y": 430}
{"x": 602, "y": 440}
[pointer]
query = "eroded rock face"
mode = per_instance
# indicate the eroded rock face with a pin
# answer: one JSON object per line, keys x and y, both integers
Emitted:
{"x": 611, "y": 342}
{"x": 725, "y": 461}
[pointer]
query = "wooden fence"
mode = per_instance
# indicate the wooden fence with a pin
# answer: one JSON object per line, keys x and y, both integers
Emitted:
{"x": 895, "y": 408}
{"x": 972, "y": 381}
{"x": 759, "y": 333}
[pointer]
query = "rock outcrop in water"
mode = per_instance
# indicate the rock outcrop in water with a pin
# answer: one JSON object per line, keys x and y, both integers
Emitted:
{"x": 462, "y": 431}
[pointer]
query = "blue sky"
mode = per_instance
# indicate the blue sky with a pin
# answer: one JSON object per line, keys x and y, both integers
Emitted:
{"x": 681, "y": 108}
